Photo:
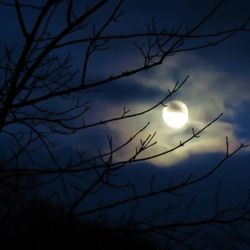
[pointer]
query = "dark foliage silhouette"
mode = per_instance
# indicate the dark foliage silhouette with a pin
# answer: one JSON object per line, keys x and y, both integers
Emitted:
{"x": 37, "y": 225}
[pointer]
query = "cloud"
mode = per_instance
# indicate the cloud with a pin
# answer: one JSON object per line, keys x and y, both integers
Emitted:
{"x": 207, "y": 93}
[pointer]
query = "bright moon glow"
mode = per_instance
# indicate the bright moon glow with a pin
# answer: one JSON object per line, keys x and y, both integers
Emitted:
{"x": 175, "y": 114}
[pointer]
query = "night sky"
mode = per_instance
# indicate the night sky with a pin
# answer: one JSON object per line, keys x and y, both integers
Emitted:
{"x": 218, "y": 83}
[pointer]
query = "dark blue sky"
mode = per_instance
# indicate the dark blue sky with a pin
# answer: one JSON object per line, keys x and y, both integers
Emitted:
{"x": 219, "y": 82}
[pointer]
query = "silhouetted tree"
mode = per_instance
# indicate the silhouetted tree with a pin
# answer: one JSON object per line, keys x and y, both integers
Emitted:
{"x": 42, "y": 99}
{"x": 37, "y": 225}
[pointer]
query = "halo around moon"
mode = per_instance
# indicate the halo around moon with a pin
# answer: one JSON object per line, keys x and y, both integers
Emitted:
{"x": 175, "y": 114}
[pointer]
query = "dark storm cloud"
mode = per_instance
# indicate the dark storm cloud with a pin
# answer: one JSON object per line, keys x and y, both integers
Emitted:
{"x": 235, "y": 186}
{"x": 176, "y": 107}
{"x": 126, "y": 91}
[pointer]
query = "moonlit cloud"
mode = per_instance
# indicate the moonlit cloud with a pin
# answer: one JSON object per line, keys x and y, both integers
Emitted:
{"x": 207, "y": 93}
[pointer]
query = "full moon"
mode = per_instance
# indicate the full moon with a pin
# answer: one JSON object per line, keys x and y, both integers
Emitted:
{"x": 175, "y": 114}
